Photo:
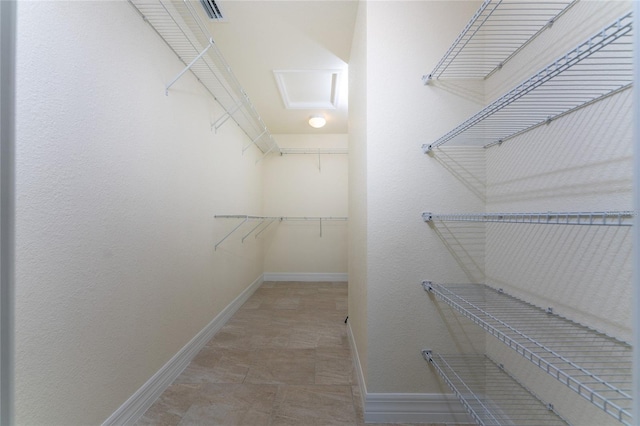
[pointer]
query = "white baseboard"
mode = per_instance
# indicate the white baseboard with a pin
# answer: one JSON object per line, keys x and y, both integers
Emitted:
{"x": 306, "y": 276}
{"x": 143, "y": 398}
{"x": 406, "y": 407}
{"x": 356, "y": 363}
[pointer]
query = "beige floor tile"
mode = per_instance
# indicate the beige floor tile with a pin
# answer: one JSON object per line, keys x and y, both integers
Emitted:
{"x": 171, "y": 406}
{"x": 283, "y": 366}
{"x": 334, "y": 371}
{"x": 218, "y": 365}
{"x": 314, "y": 405}
{"x": 231, "y": 405}
{"x": 283, "y": 359}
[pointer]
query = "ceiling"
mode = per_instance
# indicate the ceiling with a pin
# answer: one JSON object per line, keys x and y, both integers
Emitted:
{"x": 302, "y": 47}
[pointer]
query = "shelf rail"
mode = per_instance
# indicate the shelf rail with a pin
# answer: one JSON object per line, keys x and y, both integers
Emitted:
{"x": 497, "y": 31}
{"x": 599, "y": 67}
{"x": 179, "y": 24}
{"x": 314, "y": 151}
{"x": 270, "y": 220}
{"x": 489, "y": 393}
{"x": 595, "y": 366}
{"x": 605, "y": 218}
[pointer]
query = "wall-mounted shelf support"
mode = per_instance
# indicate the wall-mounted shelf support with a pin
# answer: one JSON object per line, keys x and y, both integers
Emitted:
{"x": 607, "y": 218}
{"x": 253, "y": 141}
{"x": 224, "y": 117}
{"x": 246, "y": 218}
{"x": 595, "y": 366}
{"x": 491, "y": 396}
{"x": 188, "y": 67}
{"x": 271, "y": 219}
{"x": 180, "y": 26}
{"x": 582, "y": 76}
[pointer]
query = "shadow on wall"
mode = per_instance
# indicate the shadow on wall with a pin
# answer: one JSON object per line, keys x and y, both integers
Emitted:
{"x": 465, "y": 241}
{"x": 585, "y": 154}
{"x": 467, "y": 165}
{"x": 464, "y": 336}
{"x": 583, "y": 272}
{"x": 471, "y": 90}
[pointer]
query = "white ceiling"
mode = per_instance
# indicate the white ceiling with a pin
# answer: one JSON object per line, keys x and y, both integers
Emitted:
{"x": 307, "y": 42}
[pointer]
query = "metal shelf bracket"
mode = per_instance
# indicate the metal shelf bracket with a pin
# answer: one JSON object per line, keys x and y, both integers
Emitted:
{"x": 188, "y": 67}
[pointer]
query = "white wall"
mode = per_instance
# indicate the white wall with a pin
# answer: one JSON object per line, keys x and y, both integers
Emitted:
{"x": 357, "y": 238}
{"x": 580, "y": 162}
{"x": 404, "y": 40}
{"x": 117, "y": 187}
{"x": 303, "y": 185}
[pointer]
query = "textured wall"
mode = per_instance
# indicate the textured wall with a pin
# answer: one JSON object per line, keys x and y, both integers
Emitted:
{"x": 580, "y": 162}
{"x": 295, "y": 185}
{"x": 357, "y": 237}
{"x": 117, "y": 187}
{"x": 404, "y": 41}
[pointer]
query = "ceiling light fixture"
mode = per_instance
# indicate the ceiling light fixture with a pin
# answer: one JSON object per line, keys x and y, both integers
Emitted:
{"x": 317, "y": 121}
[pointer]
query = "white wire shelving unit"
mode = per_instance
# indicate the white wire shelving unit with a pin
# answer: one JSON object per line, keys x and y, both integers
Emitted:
{"x": 496, "y": 32}
{"x": 605, "y": 218}
{"x": 491, "y": 396}
{"x": 595, "y": 366}
{"x": 180, "y": 25}
{"x": 314, "y": 151}
{"x": 319, "y": 152}
{"x": 269, "y": 220}
{"x": 599, "y": 67}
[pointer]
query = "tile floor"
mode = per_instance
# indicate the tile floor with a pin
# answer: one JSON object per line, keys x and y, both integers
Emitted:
{"x": 282, "y": 359}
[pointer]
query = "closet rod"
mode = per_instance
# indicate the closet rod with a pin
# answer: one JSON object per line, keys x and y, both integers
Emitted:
{"x": 284, "y": 151}
{"x": 608, "y": 218}
{"x": 317, "y": 151}
{"x": 271, "y": 219}
{"x": 595, "y": 69}
{"x": 281, "y": 218}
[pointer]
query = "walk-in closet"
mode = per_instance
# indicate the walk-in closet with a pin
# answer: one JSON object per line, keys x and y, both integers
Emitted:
{"x": 345, "y": 212}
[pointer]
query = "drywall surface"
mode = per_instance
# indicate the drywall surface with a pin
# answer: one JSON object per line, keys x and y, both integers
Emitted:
{"x": 117, "y": 187}
{"x": 404, "y": 41}
{"x": 580, "y": 162}
{"x": 357, "y": 192}
{"x": 583, "y": 20}
{"x": 306, "y": 185}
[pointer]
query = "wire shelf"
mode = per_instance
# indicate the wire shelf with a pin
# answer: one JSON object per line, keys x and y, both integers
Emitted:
{"x": 316, "y": 151}
{"x": 495, "y": 33}
{"x": 608, "y": 218}
{"x": 491, "y": 396}
{"x": 180, "y": 26}
{"x": 592, "y": 364}
{"x": 597, "y": 68}
{"x": 270, "y": 220}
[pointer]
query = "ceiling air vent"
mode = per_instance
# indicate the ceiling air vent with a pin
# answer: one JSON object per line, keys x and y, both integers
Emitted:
{"x": 213, "y": 10}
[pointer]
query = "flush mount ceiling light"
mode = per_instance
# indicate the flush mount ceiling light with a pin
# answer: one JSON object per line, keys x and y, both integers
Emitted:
{"x": 317, "y": 121}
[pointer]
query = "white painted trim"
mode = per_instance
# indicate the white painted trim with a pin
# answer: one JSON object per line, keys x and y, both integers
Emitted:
{"x": 356, "y": 363}
{"x": 306, "y": 276}
{"x": 406, "y": 407}
{"x": 143, "y": 398}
